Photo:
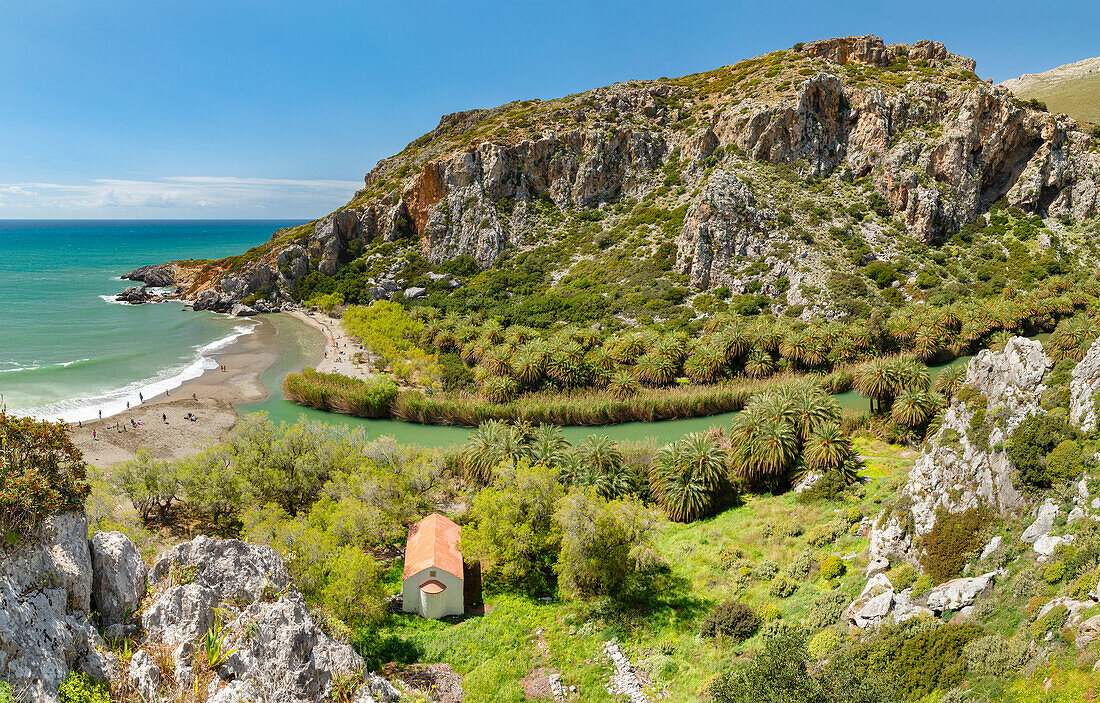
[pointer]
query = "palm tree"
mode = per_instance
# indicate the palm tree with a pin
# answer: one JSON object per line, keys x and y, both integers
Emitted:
{"x": 623, "y": 385}
{"x": 794, "y": 347}
{"x": 763, "y": 447}
{"x": 914, "y": 407}
{"x": 812, "y": 407}
{"x": 496, "y": 361}
{"x": 599, "y": 463}
{"x": 910, "y": 373}
{"x": 877, "y": 380}
{"x": 949, "y": 380}
{"x": 706, "y": 364}
{"x": 566, "y": 365}
{"x": 527, "y": 367}
{"x": 759, "y": 363}
{"x": 688, "y": 477}
{"x": 827, "y": 447}
{"x": 733, "y": 342}
{"x": 656, "y": 369}
{"x": 491, "y": 444}
{"x": 549, "y": 446}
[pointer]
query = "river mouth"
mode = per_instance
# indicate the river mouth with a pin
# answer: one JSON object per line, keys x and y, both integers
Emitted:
{"x": 298, "y": 345}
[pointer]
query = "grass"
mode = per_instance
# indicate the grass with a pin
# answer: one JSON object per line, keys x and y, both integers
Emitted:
{"x": 1077, "y": 97}
{"x": 496, "y": 651}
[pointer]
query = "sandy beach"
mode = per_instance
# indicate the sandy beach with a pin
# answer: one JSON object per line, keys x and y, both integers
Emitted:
{"x": 211, "y": 397}
{"x": 340, "y": 347}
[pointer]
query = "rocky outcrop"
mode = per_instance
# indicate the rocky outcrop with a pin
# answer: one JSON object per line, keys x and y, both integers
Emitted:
{"x": 138, "y": 296}
{"x": 938, "y": 151}
{"x": 118, "y": 577}
{"x": 46, "y": 587}
{"x": 156, "y": 276}
{"x": 1084, "y": 382}
{"x": 958, "y": 471}
{"x": 962, "y": 467}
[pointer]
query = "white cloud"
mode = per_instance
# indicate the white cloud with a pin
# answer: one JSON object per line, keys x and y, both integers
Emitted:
{"x": 177, "y": 196}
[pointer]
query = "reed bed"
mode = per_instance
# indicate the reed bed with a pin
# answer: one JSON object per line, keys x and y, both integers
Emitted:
{"x": 584, "y": 407}
{"x": 341, "y": 394}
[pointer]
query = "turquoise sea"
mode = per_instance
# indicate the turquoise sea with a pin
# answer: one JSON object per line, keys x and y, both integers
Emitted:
{"x": 66, "y": 349}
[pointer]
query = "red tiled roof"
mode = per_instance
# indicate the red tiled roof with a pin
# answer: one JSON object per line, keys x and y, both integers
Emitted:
{"x": 433, "y": 544}
{"x": 433, "y": 586}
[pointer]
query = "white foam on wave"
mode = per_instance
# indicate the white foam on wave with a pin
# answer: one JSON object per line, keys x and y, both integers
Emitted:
{"x": 114, "y": 401}
{"x": 37, "y": 366}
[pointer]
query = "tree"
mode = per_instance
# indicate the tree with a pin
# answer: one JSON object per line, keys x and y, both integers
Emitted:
{"x": 386, "y": 329}
{"x": 512, "y": 530}
{"x": 41, "y": 472}
{"x": 493, "y": 443}
{"x": 688, "y": 477}
{"x": 606, "y": 546}
{"x": 152, "y": 486}
{"x": 827, "y": 448}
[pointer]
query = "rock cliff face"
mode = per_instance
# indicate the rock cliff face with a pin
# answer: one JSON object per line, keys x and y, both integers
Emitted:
{"x": 936, "y": 144}
{"x": 274, "y": 650}
{"x": 966, "y": 466}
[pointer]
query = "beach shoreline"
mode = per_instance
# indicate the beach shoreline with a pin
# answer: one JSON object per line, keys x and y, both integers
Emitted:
{"x": 158, "y": 423}
{"x": 340, "y": 347}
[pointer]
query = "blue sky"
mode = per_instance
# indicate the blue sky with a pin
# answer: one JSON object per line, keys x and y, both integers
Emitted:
{"x": 235, "y": 108}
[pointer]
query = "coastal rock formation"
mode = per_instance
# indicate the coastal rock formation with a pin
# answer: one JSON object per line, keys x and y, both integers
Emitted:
{"x": 137, "y": 296}
{"x": 959, "y": 593}
{"x": 964, "y": 467}
{"x": 938, "y": 147}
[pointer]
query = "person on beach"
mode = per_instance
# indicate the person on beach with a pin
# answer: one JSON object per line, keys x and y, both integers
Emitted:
{"x": 194, "y": 397}
{"x": 141, "y": 398}
{"x": 94, "y": 438}
{"x": 127, "y": 405}
{"x": 164, "y": 416}
{"x": 100, "y": 414}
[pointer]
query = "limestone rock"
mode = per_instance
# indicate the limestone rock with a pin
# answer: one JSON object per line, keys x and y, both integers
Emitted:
{"x": 118, "y": 576}
{"x": 235, "y": 570}
{"x": 879, "y": 565}
{"x": 180, "y": 613}
{"x": 1046, "y": 545}
{"x": 144, "y": 674}
{"x": 45, "y": 593}
{"x": 1044, "y": 522}
{"x": 990, "y": 547}
{"x": 958, "y": 593}
{"x": 1084, "y": 381}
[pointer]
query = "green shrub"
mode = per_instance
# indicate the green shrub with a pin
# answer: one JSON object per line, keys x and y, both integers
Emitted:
{"x": 827, "y": 609}
{"x": 1064, "y": 463}
{"x": 993, "y": 655}
{"x": 1083, "y": 585}
{"x": 1033, "y": 440}
{"x": 799, "y": 567}
{"x": 81, "y": 688}
{"x": 1054, "y": 572}
{"x": 922, "y": 585}
{"x": 782, "y": 587}
{"x": 7, "y": 695}
{"x": 951, "y": 541}
{"x": 341, "y": 394}
{"x": 902, "y": 576}
{"x": 833, "y": 567}
{"x": 924, "y": 655}
{"x": 772, "y": 612}
{"x": 765, "y": 570}
{"x": 731, "y": 619}
{"x": 41, "y": 472}
{"x": 854, "y": 514}
{"x": 821, "y": 535}
{"x": 1051, "y": 621}
{"x": 824, "y": 644}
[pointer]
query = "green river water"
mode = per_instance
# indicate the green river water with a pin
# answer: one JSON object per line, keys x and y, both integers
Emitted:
{"x": 299, "y": 345}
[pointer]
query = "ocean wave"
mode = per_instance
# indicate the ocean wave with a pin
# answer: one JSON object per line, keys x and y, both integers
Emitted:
{"x": 114, "y": 401}
{"x": 36, "y": 366}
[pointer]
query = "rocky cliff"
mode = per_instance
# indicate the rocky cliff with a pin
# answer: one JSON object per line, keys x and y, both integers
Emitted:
{"x": 60, "y": 590}
{"x": 911, "y": 128}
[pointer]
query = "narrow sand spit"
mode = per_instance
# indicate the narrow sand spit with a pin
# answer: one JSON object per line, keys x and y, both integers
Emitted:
{"x": 340, "y": 347}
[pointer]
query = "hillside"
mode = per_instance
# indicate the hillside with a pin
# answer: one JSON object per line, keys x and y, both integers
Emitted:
{"x": 1073, "y": 89}
{"x": 769, "y": 184}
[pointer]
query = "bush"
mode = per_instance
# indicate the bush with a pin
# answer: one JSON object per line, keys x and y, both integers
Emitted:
{"x": 993, "y": 655}
{"x": 854, "y": 515}
{"x": 825, "y": 644}
{"x": 950, "y": 543}
{"x": 902, "y": 576}
{"x": 731, "y": 619}
{"x": 827, "y": 609}
{"x": 782, "y": 587}
{"x": 1055, "y": 572}
{"x": 799, "y": 567}
{"x": 81, "y": 688}
{"x": 922, "y": 585}
{"x": 1033, "y": 440}
{"x": 924, "y": 656}
{"x": 821, "y": 535}
{"x": 833, "y": 567}
{"x": 6, "y": 693}
{"x": 341, "y": 394}
{"x": 1051, "y": 621}
{"x": 41, "y": 472}
{"x": 765, "y": 570}
{"x": 1064, "y": 463}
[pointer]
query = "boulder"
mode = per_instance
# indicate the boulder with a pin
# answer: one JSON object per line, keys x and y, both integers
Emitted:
{"x": 1089, "y": 629}
{"x": 958, "y": 593}
{"x": 879, "y": 565}
{"x": 414, "y": 293}
{"x": 235, "y": 570}
{"x": 1046, "y": 545}
{"x": 180, "y": 613}
{"x": 991, "y": 547}
{"x": 873, "y": 611}
{"x": 118, "y": 577}
{"x": 1044, "y": 522}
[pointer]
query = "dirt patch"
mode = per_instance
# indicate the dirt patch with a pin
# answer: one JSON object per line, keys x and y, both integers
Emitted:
{"x": 439, "y": 681}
